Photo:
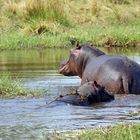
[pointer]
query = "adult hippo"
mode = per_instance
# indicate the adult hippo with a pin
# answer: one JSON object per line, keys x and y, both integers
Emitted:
{"x": 117, "y": 74}
{"x": 87, "y": 94}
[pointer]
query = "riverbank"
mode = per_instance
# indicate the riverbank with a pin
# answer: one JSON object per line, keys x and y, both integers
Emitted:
{"x": 36, "y": 24}
{"x": 109, "y": 36}
{"x": 117, "y": 132}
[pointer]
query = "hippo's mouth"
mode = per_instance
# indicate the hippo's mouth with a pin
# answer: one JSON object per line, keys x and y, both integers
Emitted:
{"x": 66, "y": 69}
{"x": 64, "y": 66}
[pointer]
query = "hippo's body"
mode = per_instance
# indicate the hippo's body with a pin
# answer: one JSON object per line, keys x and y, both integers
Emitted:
{"x": 117, "y": 74}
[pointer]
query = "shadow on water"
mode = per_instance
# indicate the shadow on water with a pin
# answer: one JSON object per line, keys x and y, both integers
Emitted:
{"x": 23, "y": 118}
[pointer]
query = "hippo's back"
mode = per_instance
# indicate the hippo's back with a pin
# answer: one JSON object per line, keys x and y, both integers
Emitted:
{"x": 117, "y": 73}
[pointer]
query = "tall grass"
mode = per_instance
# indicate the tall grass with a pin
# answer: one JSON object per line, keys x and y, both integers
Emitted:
{"x": 29, "y": 10}
{"x": 53, "y": 22}
{"x": 64, "y": 11}
{"x": 35, "y": 8}
{"x": 11, "y": 7}
{"x": 105, "y": 11}
{"x": 52, "y": 10}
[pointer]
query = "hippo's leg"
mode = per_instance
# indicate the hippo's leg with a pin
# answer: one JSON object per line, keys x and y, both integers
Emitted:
{"x": 127, "y": 84}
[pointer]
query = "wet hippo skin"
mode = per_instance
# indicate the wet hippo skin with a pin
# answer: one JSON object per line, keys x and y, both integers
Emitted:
{"x": 118, "y": 74}
{"x": 87, "y": 94}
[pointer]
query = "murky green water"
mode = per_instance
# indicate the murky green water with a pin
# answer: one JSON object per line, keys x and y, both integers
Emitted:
{"x": 30, "y": 118}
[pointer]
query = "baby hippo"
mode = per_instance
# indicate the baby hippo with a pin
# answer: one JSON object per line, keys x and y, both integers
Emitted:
{"x": 87, "y": 94}
{"x": 94, "y": 92}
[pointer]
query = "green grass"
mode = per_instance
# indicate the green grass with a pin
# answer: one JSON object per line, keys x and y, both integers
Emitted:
{"x": 12, "y": 88}
{"x": 49, "y": 10}
{"x": 117, "y": 132}
{"x": 111, "y": 35}
{"x": 53, "y": 23}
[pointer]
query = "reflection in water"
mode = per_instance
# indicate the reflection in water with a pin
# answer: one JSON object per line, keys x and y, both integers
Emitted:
{"x": 29, "y": 117}
{"x": 31, "y": 59}
{"x": 49, "y": 59}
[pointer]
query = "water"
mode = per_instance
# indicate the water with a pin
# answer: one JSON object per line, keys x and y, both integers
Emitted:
{"x": 30, "y": 118}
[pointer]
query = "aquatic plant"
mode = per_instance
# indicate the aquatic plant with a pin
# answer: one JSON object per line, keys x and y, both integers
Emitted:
{"x": 13, "y": 88}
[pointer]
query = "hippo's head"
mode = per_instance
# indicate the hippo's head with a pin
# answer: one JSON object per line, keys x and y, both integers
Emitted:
{"x": 78, "y": 59}
{"x": 94, "y": 92}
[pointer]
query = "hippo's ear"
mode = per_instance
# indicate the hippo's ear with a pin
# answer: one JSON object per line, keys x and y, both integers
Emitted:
{"x": 78, "y": 46}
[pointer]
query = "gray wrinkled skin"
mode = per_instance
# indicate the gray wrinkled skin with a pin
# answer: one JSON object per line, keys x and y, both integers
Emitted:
{"x": 118, "y": 74}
